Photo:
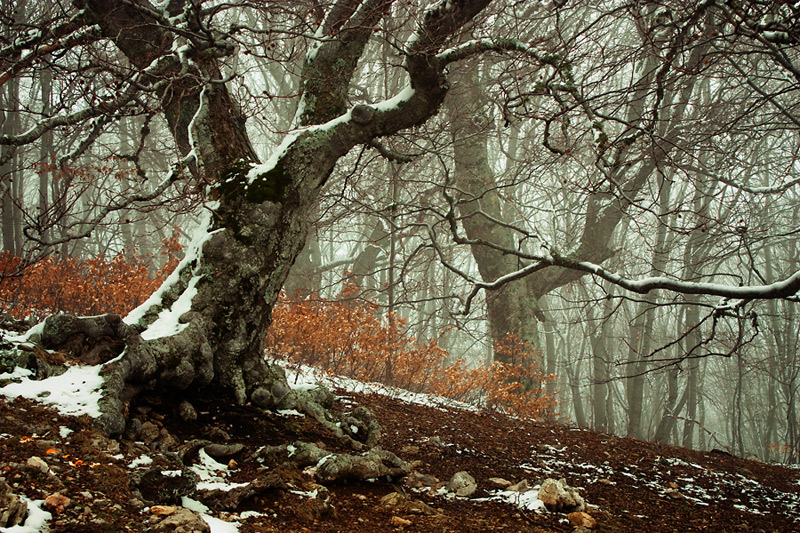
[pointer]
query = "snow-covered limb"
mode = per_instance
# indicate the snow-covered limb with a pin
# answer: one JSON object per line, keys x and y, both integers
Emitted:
{"x": 39, "y": 51}
{"x": 167, "y": 322}
{"x": 785, "y": 288}
{"x": 35, "y": 132}
{"x": 478, "y": 46}
{"x": 769, "y": 189}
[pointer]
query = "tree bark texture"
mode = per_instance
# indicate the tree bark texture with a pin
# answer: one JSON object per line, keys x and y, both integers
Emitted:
{"x": 204, "y": 329}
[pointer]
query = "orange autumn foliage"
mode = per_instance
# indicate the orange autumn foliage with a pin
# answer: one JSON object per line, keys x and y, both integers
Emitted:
{"x": 348, "y": 337}
{"x": 81, "y": 286}
{"x": 345, "y": 337}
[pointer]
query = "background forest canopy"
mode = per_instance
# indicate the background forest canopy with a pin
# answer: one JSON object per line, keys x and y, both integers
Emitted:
{"x": 613, "y": 183}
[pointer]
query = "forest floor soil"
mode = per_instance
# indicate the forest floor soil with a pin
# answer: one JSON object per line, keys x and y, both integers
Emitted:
{"x": 628, "y": 484}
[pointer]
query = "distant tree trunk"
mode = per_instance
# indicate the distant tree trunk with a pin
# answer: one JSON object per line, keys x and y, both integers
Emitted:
{"x": 692, "y": 385}
{"x": 10, "y": 177}
{"x": 641, "y": 332}
{"x": 671, "y": 408}
{"x": 46, "y": 157}
{"x": 601, "y": 394}
{"x": 510, "y": 310}
{"x": 365, "y": 265}
{"x": 573, "y": 379}
{"x": 305, "y": 277}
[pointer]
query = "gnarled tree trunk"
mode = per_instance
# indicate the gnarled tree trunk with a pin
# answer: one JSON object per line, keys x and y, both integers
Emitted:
{"x": 204, "y": 329}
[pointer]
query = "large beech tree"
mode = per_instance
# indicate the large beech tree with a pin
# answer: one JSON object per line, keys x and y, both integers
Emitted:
{"x": 205, "y": 328}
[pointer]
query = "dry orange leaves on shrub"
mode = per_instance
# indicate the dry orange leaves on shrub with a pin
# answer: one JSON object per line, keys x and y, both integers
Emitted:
{"x": 81, "y": 286}
{"x": 349, "y": 337}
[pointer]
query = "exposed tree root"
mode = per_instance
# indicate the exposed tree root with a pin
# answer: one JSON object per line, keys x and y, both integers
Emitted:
{"x": 184, "y": 363}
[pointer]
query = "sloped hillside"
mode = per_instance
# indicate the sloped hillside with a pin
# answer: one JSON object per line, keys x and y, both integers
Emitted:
{"x": 229, "y": 467}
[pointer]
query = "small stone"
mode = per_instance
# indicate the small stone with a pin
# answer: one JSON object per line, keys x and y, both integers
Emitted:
{"x": 105, "y": 444}
{"x": 157, "y": 488}
{"x": 57, "y": 503}
{"x": 417, "y": 480}
{"x": 522, "y": 486}
{"x": 37, "y": 464}
{"x": 409, "y": 450}
{"x": 559, "y": 497}
{"x": 499, "y": 482}
{"x": 187, "y": 412}
{"x": 223, "y": 450}
{"x": 462, "y": 484}
{"x": 217, "y": 434}
{"x": 12, "y": 509}
{"x": 166, "y": 440}
{"x": 101, "y": 503}
{"x": 400, "y": 522}
{"x": 279, "y": 390}
{"x": 581, "y": 519}
{"x": 232, "y": 464}
{"x": 262, "y": 398}
{"x": 673, "y": 485}
{"x": 163, "y": 510}
{"x": 149, "y": 433}
{"x": 183, "y": 520}
{"x": 604, "y": 481}
{"x": 133, "y": 429}
{"x": 393, "y": 499}
{"x": 674, "y": 494}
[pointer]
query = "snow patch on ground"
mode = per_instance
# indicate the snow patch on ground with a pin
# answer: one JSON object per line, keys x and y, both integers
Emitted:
{"x": 212, "y": 474}
{"x": 301, "y": 377}
{"x": 75, "y": 392}
{"x": 36, "y": 520}
{"x": 527, "y": 501}
{"x": 704, "y": 488}
{"x": 217, "y": 525}
{"x": 142, "y": 460}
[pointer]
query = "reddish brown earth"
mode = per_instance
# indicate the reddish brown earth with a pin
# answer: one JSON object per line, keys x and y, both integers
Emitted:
{"x": 630, "y": 485}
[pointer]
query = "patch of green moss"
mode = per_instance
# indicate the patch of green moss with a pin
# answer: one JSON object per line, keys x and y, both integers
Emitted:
{"x": 269, "y": 186}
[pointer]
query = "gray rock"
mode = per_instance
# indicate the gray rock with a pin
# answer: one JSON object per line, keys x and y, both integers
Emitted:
{"x": 500, "y": 483}
{"x": 158, "y": 487}
{"x": 279, "y": 389}
{"x": 182, "y": 521}
{"x": 522, "y": 486}
{"x": 187, "y": 412}
{"x": 133, "y": 429}
{"x": 462, "y": 484}
{"x": 559, "y": 497}
{"x": 223, "y": 450}
{"x": 37, "y": 464}
{"x": 12, "y": 510}
{"x": 262, "y": 398}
